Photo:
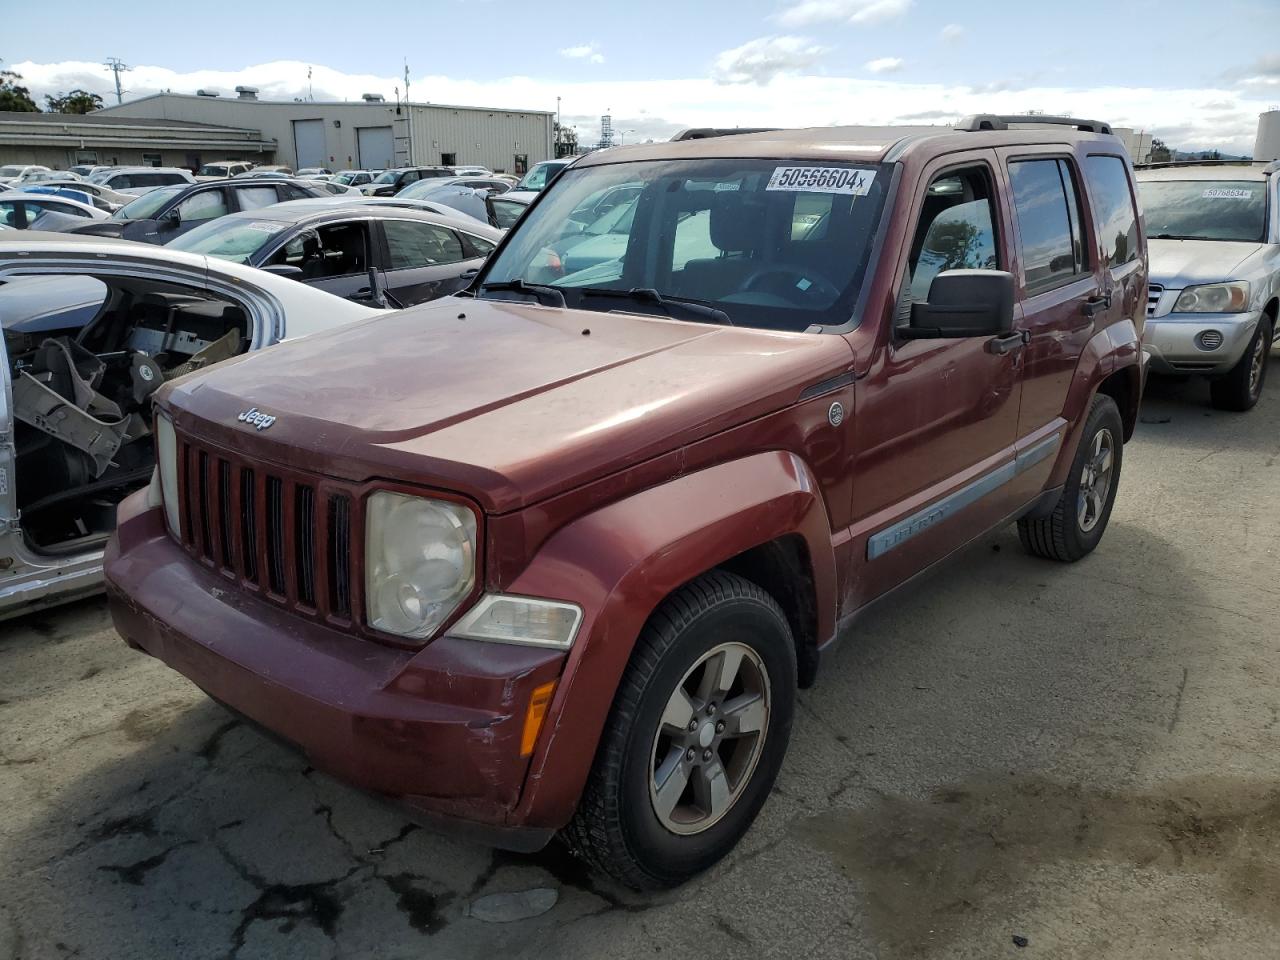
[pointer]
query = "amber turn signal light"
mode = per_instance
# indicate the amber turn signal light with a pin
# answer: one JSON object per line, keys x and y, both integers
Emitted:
{"x": 539, "y": 701}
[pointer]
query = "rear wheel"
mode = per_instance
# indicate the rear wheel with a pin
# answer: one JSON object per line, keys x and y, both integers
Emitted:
{"x": 1241, "y": 387}
{"x": 695, "y": 738}
{"x": 1081, "y": 514}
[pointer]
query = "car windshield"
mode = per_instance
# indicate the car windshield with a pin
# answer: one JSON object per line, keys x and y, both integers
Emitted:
{"x": 779, "y": 245}
{"x": 1205, "y": 209}
{"x": 213, "y": 170}
{"x": 536, "y": 178}
{"x": 229, "y": 238}
{"x": 12, "y": 169}
{"x": 147, "y": 205}
{"x": 387, "y": 176}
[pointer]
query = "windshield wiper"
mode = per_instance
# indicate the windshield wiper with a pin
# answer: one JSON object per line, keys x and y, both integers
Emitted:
{"x": 544, "y": 293}
{"x": 691, "y": 308}
{"x": 1172, "y": 236}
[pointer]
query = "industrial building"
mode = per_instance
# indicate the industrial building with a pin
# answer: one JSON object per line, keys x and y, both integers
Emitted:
{"x": 61, "y": 140}
{"x": 369, "y": 134}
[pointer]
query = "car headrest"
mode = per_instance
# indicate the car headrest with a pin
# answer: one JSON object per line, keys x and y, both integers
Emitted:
{"x": 737, "y": 221}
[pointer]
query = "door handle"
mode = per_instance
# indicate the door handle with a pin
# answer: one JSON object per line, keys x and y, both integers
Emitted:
{"x": 1008, "y": 343}
{"x": 1095, "y": 305}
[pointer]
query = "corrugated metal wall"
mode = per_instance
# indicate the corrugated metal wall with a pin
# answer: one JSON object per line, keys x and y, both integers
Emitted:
{"x": 490, "y": 137}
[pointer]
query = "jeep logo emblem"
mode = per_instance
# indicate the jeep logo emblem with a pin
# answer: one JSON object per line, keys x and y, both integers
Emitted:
{"x": 256, "y": 418}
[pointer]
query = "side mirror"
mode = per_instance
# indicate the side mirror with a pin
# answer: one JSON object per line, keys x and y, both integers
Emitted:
{"x": 284, "y": 270}
{"x": 963, "y": 303}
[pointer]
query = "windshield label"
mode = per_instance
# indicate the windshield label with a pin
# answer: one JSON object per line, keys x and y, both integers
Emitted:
{"x": 856, "y": 183}
{"x": 1226, "y": 193}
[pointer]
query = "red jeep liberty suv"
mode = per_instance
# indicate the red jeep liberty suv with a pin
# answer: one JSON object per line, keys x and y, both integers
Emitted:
{"x": 553, "y": 556}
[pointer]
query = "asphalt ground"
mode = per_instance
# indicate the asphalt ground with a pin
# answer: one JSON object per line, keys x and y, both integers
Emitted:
{"x": 1086, "y": 758}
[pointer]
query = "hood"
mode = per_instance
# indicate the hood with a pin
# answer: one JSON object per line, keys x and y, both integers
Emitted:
{"x": 505, "y": 402}
{"x": 1182, "y": 263}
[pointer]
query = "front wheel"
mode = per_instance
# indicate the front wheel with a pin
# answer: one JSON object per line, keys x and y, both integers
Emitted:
{"x": 695, "y": 738}
{"x": 1081, "y": 514}
{"x": 1241, "y": 387}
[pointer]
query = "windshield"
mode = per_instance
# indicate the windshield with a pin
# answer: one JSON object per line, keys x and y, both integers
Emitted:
{"x": 11, "y": 170}
{"x": 229, "y": 238}
{"x": 536, "y": 178}
{"x": 387, "y": 176}
{"x": 1205, "y": 209}
{"x": 147, "y": 205}
{"x": 769, "y": 244}
{"x": 213, "y": 170}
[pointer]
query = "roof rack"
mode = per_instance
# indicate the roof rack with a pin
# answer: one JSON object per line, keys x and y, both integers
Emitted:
{"x": 706, "y": 133}
{"x": 992, "y": 121}
{"x": 1272, "y": 165}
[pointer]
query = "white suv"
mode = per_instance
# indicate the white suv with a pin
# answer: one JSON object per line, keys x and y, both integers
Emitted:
{"x": 139, "y": 180}
{"x": 1213, "y": 232}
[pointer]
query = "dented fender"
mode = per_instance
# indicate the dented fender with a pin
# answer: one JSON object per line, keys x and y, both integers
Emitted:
{"x": 620, "y": 561}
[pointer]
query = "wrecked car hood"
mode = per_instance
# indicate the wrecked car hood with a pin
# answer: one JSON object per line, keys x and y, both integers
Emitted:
{"x": 506, "y": 402}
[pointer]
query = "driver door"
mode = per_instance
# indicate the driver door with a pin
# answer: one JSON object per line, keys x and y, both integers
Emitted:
{"x": 936, "y": 418}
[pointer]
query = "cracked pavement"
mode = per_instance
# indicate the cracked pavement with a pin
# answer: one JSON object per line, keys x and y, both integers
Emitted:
{"x": 1087, "y": 757}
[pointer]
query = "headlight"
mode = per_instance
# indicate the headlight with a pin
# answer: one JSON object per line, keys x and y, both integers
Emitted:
{"x": 1214, "y": 298}
{"x": 167, "y": 465}
{"x": 522, "y": 620}
{"x": 419, "y": 562}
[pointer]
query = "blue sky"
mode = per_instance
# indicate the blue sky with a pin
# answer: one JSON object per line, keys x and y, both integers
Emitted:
{"x": 662, "y": 64}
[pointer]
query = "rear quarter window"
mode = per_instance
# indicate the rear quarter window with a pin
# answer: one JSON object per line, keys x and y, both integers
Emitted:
{"x": 1117, "y": 219}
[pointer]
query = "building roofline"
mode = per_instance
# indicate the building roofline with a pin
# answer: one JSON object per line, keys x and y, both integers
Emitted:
{"x": 324, "y": 103}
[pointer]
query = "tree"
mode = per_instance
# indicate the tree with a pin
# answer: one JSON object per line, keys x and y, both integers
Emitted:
{"x": 14, "y": 96}
{"x": 1159, "y": 152}
{"x": 77, "y": 101}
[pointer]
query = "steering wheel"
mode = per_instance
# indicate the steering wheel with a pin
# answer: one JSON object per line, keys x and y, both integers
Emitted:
{"x": 814, "y": 283}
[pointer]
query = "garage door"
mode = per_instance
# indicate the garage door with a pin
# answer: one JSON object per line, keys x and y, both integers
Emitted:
{"x": 374, "y": 144}
{"x": 308, "y": 141}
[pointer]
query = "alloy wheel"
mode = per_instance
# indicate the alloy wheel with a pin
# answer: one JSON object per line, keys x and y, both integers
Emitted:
{"x": 709, "y": 739}
{"x": 1095, "y": 481}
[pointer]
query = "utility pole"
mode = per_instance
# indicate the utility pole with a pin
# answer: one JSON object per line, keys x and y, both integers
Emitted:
{"x": 558, "y": 133}
{"x": 408, "y": 109}
{"x": 117, "y": 66}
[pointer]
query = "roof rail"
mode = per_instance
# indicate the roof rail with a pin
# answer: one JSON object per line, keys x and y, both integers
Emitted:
{"x": 705, "y": 133}
{"x": 992, "y": 121}
{"x": 1157, "y": 164}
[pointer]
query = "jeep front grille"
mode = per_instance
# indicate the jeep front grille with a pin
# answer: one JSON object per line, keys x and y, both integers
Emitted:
{"x": 1154, "y": 293}
{"x": 283, "y": 534}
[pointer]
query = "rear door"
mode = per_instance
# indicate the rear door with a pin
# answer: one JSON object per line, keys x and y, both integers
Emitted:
{"x": 1061, "y": 291}
{"x": 423, "y": 260}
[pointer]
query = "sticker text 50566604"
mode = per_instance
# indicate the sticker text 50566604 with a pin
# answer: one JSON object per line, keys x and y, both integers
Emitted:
{"x": 823, "y": 180}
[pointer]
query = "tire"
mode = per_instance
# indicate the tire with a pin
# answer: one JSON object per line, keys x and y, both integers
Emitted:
{"x": 1240, "y": 388}
{"x": 719, "y": 619}
{"x": 1075, "y": 526}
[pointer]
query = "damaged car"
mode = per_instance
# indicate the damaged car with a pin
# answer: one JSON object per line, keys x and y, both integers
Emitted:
{"x": 92, "y": 328}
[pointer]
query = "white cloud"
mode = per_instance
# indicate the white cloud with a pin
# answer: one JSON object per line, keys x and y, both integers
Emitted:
{"x": 884, "y": 65}
{"x": 953, "y": 32}
{"x": 584, "y": 51}
{"x": 848, "y": 11}
{"x": 1192, "y": 118}
{"x": 762, "y": 59}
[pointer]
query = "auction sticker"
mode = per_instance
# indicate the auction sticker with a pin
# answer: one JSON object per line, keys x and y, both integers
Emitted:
{"x": 856, "y": 183}
{"x": 1226, "y": 193}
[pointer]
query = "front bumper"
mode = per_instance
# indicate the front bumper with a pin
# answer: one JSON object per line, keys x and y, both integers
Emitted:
{"x": 437, "y": 729}
{"x": 1174, "y": 346}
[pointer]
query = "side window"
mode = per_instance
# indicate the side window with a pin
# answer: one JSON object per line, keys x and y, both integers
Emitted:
{"x": 412, "y": 243}
{"x": 302, "y": 251}
{"x": 506, "y": 212}
{"x": 1113, "y": 203}
{"x": 343, "y": 249}
{"x": 956, "y": 229}
{"x": 11, "y": 215}
{"x": 1051, "y": 251}
{"x": 477, "y": 246}
{"x": 204, "y": 205}
{"x": 254, "y": 198}
{"x": 122, "y": 182}
{"x": 289, "y": 191}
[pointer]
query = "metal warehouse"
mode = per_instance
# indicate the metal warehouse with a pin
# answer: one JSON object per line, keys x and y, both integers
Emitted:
{"x": 62, "y": 140}
{"x": 370, "y": 134}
